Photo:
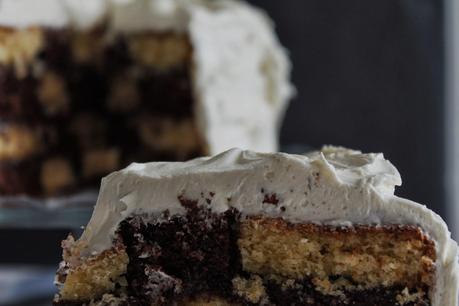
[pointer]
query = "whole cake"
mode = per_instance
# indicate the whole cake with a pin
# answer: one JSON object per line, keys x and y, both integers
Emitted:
{"x": 88, "y": 86}
{"x": 246, "y": 228}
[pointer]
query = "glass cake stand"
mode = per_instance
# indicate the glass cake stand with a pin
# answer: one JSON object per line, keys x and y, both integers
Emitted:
{"x": 36, "y": 227}
{"x": 69, "y": 212}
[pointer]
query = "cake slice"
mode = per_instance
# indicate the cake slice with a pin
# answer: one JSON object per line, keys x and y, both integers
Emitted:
{"x": 246, "y": 228}
{"x": 89, "y": 86}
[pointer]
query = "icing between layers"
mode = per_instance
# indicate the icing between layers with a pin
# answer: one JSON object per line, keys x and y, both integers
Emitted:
{"x": 240, "y": 71}
{"x": 335, "y": 186}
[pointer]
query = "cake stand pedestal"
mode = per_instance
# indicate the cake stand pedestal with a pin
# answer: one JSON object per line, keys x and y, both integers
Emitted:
{"x": 31, "y": 231}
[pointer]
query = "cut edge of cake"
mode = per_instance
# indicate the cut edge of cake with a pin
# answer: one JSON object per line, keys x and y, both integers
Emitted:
{"x": 325, "y": 224}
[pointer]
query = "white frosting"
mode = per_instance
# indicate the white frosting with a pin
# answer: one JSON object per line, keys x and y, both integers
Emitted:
{"x": 335, "y": 186}
{"x": 84, "y": 14}
{"x": 52, "y": 13}
{"x": 24, "y": 13}
{"x": 241, "y": 77}
{"x": 241, "y": 72}
{"x": 160, "y": 15}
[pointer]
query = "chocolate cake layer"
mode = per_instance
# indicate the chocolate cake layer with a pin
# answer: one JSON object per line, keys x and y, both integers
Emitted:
{"x": 176, "y": 260}
{"x": 19, "y": 178}
{"x": 304, "y": 293}
{"x": 60, "y": 174}
{"x": 17, "y": 96}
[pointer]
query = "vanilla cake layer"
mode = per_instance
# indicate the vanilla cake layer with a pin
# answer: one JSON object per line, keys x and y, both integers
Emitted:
{"x": 87, "y": 87}
{"x": 358, "y": 256}
{"x": 246, "y": 228}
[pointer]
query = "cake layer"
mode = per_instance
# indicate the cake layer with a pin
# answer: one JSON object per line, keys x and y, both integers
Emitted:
{"x": 380, "y": 297}
{"x": 19, "y": 142}
{"x": 215, "y": 258}
{"x": 56, "y": 156}
{"x": 360, "y": 256}
{"x": 54, "y": 174}
{"x": 73, "y": 71}
{"x": 60, "y": 174}
{"x": 20, "y": 178}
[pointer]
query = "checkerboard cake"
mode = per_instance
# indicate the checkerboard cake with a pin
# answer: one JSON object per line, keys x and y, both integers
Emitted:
{"x": 87, "y": 87}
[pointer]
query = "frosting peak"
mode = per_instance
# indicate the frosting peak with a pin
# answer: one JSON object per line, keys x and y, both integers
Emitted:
{"x": 353, "y": 167}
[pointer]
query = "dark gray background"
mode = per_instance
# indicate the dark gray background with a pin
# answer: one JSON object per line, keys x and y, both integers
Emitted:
{"x": 370, "y": 76}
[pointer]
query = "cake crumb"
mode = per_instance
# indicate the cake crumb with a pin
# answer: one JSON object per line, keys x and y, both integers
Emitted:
{"x": 251, "y": 289}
